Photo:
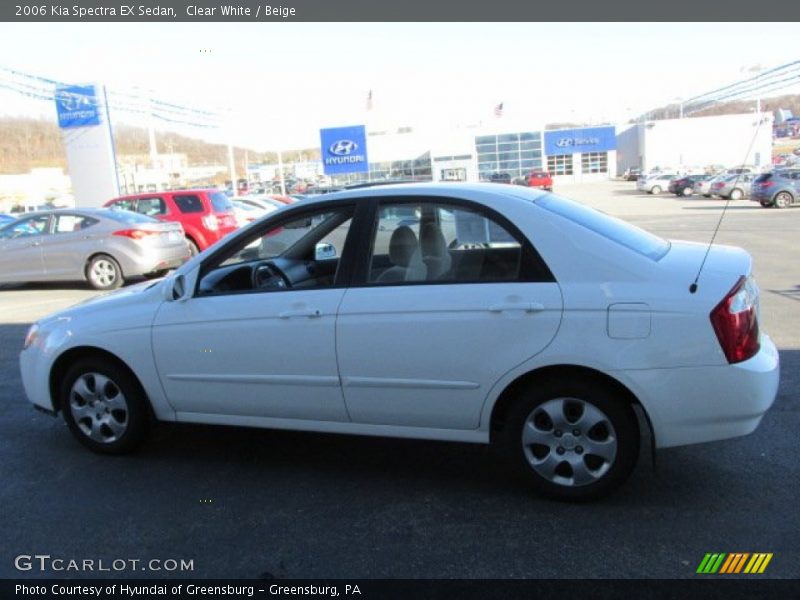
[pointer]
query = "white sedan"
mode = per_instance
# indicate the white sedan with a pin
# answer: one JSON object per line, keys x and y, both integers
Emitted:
{"x": 491, "y": 314}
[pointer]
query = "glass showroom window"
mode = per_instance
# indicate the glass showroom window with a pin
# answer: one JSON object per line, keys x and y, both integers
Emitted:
{"x": 511, "y": 153}
{"x": 594, "y": 162}
{"x": 560, "y": 164}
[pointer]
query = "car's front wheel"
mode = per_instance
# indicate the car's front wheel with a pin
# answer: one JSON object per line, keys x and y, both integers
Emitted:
{"x": 573, "y": 441}
{"x": 103, "y": 406}
{"x": 655, "y": 190}
{"x": 736, "y": 194}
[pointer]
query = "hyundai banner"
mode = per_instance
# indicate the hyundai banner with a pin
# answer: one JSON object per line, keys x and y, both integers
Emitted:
{"x": 77, "y": 106}
{"x": 344, "y": 149}
{"x": 573, "y": 141}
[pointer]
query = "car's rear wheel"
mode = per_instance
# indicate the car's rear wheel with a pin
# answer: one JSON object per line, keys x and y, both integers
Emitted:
{"x": 103, "y": 406}
{"x": 688, "y": 191}
{"x": 655, "y": 190}
{"x": 193, "y": 249}
{"x": 736, "y": 194}
{"x": 783, "y": 199}
{"x": 104, "y": 273}
{"x": 573, "y": 441}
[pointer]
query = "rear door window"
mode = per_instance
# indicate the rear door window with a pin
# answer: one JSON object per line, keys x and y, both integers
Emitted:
{"x": 188, "y": 203}
{"x": 72, "y": 223}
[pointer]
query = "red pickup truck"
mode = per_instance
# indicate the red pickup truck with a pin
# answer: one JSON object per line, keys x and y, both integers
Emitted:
{"x": 541, "y": 180}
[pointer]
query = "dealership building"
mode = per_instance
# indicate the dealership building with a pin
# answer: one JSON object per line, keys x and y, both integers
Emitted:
{"x": 570, "y": 155}
{"x": 475, "y": 154}
{"x": 696, "y": 143}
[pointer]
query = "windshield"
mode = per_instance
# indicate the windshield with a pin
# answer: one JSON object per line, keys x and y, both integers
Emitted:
{"x": 616, "y": 230}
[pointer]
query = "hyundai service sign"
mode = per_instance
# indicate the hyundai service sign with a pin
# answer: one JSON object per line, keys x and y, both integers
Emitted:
{"x": 77, "y": 106}
{"x": 344, "y": 149}
{"x": 572, "y": 141}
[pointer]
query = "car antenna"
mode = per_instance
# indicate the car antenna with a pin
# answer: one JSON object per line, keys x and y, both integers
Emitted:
{"x": 693, "y": 286}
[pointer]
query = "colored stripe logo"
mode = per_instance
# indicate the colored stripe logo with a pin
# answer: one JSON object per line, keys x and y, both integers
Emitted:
{"x": 732, "y": 563}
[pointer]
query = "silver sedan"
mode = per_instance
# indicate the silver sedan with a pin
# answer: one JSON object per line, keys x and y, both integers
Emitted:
{"x": 98, "y": 245}
{"x": 735, "y": 186}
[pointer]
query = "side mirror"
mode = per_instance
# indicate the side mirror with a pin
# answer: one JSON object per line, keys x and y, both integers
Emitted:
{"x": 175, "y": 289}
{"x": 324, "y": 251}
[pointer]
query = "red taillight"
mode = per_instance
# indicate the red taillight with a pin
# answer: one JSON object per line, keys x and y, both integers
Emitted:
{"x": 136, "y": 234}
{"x": 767, "y": 183}
{"x": 735, "y": 321}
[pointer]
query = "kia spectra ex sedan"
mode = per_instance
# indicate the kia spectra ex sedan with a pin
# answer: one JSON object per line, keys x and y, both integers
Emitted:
{"x": 464, "y": 312}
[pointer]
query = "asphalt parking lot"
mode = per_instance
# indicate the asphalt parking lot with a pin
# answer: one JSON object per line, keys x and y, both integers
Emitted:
{"x": 250, "y": 503}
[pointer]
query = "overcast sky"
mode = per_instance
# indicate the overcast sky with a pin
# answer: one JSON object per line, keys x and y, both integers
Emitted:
{"x": 280, "y": 82}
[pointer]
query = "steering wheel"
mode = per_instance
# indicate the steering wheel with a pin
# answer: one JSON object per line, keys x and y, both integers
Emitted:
{"x": 267, "y": 276}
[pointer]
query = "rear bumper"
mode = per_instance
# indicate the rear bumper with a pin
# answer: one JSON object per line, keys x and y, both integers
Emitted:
{"x": 149, "y": 261}
{"x": 704, "y": 404}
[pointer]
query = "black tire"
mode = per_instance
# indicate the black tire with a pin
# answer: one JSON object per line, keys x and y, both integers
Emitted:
{"x": 156, "y": 274}
{"x": 104, "y": 273}
{"x": 114, "y": 420}
{"x": 193, "y": 249}
{"x": 706, "y": 195}
{"x": 782, "y": 200}
{"x": 582, "y": 404}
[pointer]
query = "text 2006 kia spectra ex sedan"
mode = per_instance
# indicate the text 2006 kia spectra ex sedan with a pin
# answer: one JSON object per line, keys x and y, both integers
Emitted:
{"x": 476, "y": 313}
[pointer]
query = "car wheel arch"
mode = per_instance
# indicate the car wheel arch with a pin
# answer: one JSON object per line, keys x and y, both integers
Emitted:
{"x": 564, "y": 372}
{"x": 63, "y": 363}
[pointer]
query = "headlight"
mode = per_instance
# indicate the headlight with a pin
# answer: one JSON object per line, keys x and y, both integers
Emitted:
{"x": 31, "y": 336}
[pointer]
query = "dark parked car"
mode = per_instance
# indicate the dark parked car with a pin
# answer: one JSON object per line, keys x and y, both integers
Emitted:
{"x": 780, "y": 188}
{"x": 632, "y": 174}
{"x": 685, "y": 185}
{"x": 500, "y": 178}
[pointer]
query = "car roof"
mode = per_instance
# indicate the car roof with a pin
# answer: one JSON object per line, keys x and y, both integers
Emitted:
{"x": 456, "y": 190}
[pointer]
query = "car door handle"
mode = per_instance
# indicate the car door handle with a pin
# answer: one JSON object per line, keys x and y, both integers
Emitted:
{"x": 303, "y": 312}
{"x": 526, "y": 306}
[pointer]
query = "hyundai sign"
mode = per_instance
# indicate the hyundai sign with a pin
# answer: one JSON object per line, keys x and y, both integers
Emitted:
{"x": 344, "y": 150}
{"x": 77, "y": 106}
{"x": 572, "y": 141}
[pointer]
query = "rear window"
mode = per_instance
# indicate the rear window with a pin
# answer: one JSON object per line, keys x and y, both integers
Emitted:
{"x": 616, "y": 230}
{"x": 127, "y": 217}
{"x": 188, "y": 203}
{"x": 763, "y": 177}
{"x": 220, "y": 202}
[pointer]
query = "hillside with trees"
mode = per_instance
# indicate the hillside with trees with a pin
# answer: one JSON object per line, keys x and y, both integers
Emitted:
{"x": 27, "y": 143}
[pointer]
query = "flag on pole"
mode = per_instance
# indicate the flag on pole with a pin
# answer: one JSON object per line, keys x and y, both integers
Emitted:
{"x": 369, "y": 100}
{"x": 498, "y": 110}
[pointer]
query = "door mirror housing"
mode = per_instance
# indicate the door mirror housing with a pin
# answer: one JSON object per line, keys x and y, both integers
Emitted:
{"x": 175, "y": 288}
{"x": 324, "y": 251}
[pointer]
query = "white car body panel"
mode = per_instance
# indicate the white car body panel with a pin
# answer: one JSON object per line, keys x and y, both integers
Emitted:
{"x": 612, "y": 310}
{"x": 408, "y": 356}
{"x": 199, "y": 345}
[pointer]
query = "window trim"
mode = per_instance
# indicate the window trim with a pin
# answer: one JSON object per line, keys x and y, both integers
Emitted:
{"x": 343, "y": 273}
{"x": 533, "y": 268}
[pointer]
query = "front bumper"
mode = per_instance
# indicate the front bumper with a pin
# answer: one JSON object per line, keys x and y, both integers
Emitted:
{"x": 704, "y": 404}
